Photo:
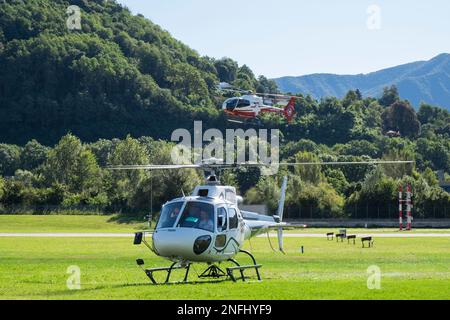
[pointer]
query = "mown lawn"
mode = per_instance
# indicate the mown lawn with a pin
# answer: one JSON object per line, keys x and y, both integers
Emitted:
{"x": 116, "y": 224}
{"x": 69, "y": 224}
{"x": 412, "y": 268}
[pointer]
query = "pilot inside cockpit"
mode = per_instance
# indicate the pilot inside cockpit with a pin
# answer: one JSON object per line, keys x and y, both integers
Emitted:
{"x": 206, "y": 221}
{"x": 198, "y": 215}
{"x": 169, "y": 215}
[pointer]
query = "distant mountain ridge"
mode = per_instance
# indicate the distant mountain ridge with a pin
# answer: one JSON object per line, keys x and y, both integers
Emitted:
{"x": 421, "y": 81}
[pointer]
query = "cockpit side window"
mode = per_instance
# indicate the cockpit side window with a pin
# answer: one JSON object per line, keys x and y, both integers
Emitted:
{"x": 169, "y": 215}
{"x": 233, "y": 217}
{"x": 243, "y": 103}
{"x": 198, "y": 215}
{"x": 222, "y": 220}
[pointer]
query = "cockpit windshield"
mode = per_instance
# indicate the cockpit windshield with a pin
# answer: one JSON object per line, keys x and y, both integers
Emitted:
{"x": 198, "y": 215}
{"x": 231, "y": 104}
{"x": 169, "y": 215}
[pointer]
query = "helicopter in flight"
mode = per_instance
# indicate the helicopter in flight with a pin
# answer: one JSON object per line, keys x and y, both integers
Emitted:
{"x": 249, "y": 106}
{"x": 209, "y": 227}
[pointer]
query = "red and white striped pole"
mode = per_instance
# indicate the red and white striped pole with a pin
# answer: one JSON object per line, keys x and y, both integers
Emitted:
{"x": 408, "y": 207}
{"x": 400, "y": 207}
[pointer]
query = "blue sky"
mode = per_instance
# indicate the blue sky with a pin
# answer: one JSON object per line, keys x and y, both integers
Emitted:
{"x": 297, "y": 37}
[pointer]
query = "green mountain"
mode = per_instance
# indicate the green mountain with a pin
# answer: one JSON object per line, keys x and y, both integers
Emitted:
{"x": 423, "y": 81}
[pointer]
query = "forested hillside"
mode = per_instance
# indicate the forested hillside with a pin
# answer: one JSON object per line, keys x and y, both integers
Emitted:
{"x": 119, "y": 74}
{"x": 73, "y": 102}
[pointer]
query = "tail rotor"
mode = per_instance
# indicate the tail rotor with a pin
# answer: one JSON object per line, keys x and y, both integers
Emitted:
{"x": 289, "y": 110}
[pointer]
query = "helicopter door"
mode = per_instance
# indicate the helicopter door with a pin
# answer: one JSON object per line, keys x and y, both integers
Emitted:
{"x": 234, "y": 232}
{"x": 222, "y": 228}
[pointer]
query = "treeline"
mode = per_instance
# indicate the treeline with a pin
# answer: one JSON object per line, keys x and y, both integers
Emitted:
{"x": 74, "y": 176}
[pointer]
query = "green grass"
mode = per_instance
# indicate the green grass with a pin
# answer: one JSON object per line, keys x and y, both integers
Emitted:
{"x": 68, "y": 224}
{"x": 115, "y": 224}
{"x": 365, "y": 231}
{"x": 35, "y": 268}
{"x": 411, "y": 269}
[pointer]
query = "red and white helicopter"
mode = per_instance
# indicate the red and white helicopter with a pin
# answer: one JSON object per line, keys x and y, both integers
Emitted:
{"x": 249, "y": 106}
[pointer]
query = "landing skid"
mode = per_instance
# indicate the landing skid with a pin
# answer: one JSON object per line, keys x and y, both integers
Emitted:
{"x": 243, "y": 268}
{"x": 149, "y": 272}
{"x": 212, "y": 272}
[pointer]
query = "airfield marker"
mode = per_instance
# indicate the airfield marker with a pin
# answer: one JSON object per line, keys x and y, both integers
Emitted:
{"x": 400, "y": 208}
{"x": 408, "y": 207}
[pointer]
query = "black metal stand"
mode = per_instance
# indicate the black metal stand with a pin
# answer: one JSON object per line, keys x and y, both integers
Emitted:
{"x": 213, "y": 271}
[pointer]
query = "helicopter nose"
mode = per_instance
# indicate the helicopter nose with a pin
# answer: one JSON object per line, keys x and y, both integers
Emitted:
{"x": 182, "y": 243}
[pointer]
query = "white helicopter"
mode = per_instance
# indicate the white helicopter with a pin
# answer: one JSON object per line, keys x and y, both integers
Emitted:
{"x": 208, "y": 226}
{"x": 249, "y": 106}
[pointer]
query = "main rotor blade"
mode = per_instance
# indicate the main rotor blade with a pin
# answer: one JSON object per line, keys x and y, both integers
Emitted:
{"x": 276, "y": 95}
{"x": 155, "y": 167}
{"x": 345, "y": 163}
{"x": 210, "y": 166}
{"x": 237, "y": 91}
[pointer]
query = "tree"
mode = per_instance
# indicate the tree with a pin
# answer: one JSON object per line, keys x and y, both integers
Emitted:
{"x": 72, "y": 165}
{"x": 266, "y": 86}
{"x": 400, "y": 116}
{"x": 376, "y": 189}
{"x": 390, "y": 96}
{"x": 434, "y": 153}
{"x": 102, "y": 150}
{"x": 166, "y": 184}
{"x": 430, "y": 177}
{"x": 336, "y": 178}
{"x": 9, "y": 159}
{"x": 398, "y": 170}
{"x": 2, "y": 188}
{"x": 316, "y": 200}
{"x": 33, "y": 155}
{"x": 265, "y": 192}
{"x": 226, "y": 69}
{"x": 358, "y": 148}
{"x": 308, "y": 173}
{"x": 124, "y": 183}
{"x": 355, "y": 173}
{"x": 187, "y": 85}
{"x": 351, "y": 97}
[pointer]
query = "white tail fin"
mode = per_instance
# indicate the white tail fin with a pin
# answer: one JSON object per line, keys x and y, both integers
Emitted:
{"x": 282, "y": 199}
{"x": 280, "y": 213}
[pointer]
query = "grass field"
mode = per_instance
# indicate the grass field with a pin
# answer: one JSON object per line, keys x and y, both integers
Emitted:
{"x": 114, "y": 224}
{"x": 68, "y": 224}
{"x": 35, "y": 268}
